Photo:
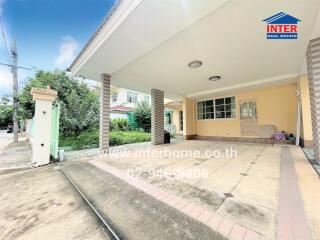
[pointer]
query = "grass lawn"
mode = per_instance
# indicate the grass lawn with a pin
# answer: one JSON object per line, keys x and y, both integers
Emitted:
{"x": 90, "y": 139}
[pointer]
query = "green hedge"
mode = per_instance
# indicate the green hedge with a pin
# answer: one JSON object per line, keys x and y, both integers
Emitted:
{"x": 120, "y": 137}
{"x": 90, "y": 139}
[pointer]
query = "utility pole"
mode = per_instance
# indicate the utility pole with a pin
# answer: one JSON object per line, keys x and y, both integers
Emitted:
{"x": 14, "y": 68}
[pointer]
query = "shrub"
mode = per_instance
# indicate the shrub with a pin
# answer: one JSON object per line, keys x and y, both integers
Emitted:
{"x": 90, "y": 139}
{"x": 87, "y": 139}
{"x": 142, "y": 114}
{"x": 121, "y": 124}
{"x": 79, "y": 104}
{"x": 119, "y": 137}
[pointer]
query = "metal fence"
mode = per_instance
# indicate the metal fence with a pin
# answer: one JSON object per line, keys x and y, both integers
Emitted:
{"x": 54, "y": 140}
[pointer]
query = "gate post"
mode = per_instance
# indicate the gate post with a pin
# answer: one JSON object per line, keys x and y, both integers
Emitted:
{"x": 42, "y": 123}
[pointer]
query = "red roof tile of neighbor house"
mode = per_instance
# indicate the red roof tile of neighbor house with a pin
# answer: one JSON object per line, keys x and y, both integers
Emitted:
{"x": 121, "y": 108}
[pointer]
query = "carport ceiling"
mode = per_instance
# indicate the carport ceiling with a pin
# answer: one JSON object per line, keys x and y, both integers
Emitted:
{"x": 149, "y": 43}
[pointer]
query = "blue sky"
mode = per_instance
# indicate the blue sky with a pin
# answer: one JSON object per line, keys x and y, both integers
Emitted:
{"x": 49, "y": 33}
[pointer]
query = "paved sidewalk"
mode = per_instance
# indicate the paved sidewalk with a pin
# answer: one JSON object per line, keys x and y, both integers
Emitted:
{"x": 40, "y": 204}
{"x": 5, "y": 139}
{"x": 15, "y": 157}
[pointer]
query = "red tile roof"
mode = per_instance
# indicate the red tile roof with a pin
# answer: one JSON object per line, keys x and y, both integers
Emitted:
{"x": 119, "y": 108}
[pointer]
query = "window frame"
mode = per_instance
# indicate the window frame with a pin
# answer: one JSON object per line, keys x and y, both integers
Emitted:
{"x": 233, "y": 113}
{"x": 146, "y": 98}
{"x": 114, "y": 97}
{"x": 181, "y": 120}
{"x": 132, "y": 93}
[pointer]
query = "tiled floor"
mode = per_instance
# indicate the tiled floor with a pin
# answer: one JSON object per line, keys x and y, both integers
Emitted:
{"x": 239, "y": 197}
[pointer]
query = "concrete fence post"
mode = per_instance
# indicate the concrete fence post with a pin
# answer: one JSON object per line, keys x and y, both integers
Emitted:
{"x": 42, "y": 119}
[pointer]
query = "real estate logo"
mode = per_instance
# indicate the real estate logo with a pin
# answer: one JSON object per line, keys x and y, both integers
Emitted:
{"x": 282, "y": 26}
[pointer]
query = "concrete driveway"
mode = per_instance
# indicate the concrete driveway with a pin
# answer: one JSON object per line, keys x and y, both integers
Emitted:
{"x": 247, "y": 189}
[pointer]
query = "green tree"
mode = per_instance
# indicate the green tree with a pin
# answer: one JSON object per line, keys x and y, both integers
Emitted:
{"x": 142, "y": 113}
{"x": 79, "y": 104}
{"x": 5, "y": 111}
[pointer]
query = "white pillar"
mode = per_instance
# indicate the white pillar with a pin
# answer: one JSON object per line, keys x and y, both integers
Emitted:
{"x": 104, "y": 112}
{"x": 42, "y": 122}
{"x": 298, "y": 130}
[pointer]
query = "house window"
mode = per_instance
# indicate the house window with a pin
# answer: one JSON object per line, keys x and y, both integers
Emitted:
{"x": 132, "y": 97}
{"x": 205, "y": 109}
{"x": 218, "y": 108}
{"x": 181, "y": 120}
{"x": 147, "y": 98}
{"x": 167, "y": 119}
{"x": 248, "y": 110}
{"x": 114, "y": 97}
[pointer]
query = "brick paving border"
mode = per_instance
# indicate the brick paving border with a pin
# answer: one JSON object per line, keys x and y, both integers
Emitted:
{"x": 217, "y": 223}
{"x": 292, "y": 220}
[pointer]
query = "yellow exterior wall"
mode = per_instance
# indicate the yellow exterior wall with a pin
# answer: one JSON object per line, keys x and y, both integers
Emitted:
{"x": 189, "y": 117}
{"x": 275, "y": 105}
{"x": 305, "y": 107}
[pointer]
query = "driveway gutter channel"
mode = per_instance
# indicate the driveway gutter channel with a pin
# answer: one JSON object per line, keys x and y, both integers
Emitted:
{"x": 111, "y": 231}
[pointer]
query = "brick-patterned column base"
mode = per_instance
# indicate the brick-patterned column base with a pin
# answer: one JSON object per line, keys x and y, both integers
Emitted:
{"x": 104, "y": 112}
{"x": 313, "y": 62}
{"x": 157, "y": 117}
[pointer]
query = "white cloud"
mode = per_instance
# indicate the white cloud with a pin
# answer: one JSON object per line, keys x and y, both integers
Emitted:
{"x": 67, "y": 51}
{"x": 5, "y": 78}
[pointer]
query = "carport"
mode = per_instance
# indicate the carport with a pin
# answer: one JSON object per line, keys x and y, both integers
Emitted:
{"x": 234, "y": 82}
{"x": 215, "y": 57}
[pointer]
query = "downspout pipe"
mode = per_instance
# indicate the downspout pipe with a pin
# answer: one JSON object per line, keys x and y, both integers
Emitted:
{"x": 298, "y": 130}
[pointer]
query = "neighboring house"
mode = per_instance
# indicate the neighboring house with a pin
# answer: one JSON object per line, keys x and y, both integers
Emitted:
{"x": 174, "y": 117}
{"x": 121, "y": 112}
{"x": 123, "y": 101}
{"x": 231, "y": 80}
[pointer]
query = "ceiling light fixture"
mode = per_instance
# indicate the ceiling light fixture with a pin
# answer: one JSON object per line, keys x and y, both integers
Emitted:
{"x": 214, "y": 78}
{"x": 194, "y": 64}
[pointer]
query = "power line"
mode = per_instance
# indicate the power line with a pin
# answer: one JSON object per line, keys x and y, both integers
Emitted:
{"x": 5, "y": 42}
{"x": 12, "y": 66}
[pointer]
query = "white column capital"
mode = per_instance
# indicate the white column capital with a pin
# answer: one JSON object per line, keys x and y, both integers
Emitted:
{"x": 44, "y": 94}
